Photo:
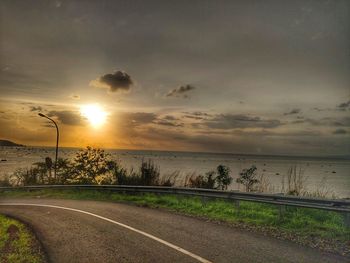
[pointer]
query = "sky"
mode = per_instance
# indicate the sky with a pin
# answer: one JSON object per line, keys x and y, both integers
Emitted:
{"x": 253, "y": 77}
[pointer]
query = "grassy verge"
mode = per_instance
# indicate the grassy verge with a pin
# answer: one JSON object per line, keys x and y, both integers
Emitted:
{"x": 323, "y": 229}
{"x": 17, "y": 244}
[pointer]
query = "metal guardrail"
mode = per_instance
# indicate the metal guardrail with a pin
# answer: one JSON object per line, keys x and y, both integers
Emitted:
{"x": 340, "y": 205}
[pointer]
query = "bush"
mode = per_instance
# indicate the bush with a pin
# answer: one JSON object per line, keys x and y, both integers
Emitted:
{"x": 64, "y": 171}
{"x": 248, "y": 178}
{"x": 212, "y": 180}
{"x": 122, "y": 177}
{"x": 94, "y": 166}
{"x": 169, "y": 179}
{"x": 200, "y": 181}
{"x": 29, "y": 176}
{"x": 91, "y": 166}
{"x": 295, "y": 181}
{"x": 149, "y": 173}
{"x": 223, "y": 179}
{"x": 5, "y": 181}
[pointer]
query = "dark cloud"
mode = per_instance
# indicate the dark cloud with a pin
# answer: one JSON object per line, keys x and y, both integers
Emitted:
{"x": 48, "y": 125}
{"x": 293, "y": 111}
{"x": 180, "y": 91}
{"x": 321, "y": 109}
{"x": 36, "y": 108}
{"x": 263, "y": 132}
{"x": 344, "y": 122}
{"x": 200, "y": 113}
{"x": 328, "y": 121}
{"x": 241, "y": 142}
{"x": 344, "y": 106}
{"x": 340, "y": 107}
{"x": 67, "y": 117}
{"x": 231, "y": 121}
{"x": 74, "y": 97}
{"x": 133, "y": 121}
{"x": 340, "y": 131}
{"x": 168, "y": 123}
{"x": 170, "y": 118}
{"x": 118, "y": 81}
{"x": 194, "y": 117}
{"x": 298, "y": 121}
{"x": 137, "y": 118}
{"x": 197, "y": 115}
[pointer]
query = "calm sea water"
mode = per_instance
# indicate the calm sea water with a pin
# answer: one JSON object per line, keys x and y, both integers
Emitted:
{"x": 319, "y": 172}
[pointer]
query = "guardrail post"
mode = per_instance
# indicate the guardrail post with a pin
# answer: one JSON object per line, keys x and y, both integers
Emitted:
{"x": 204, "y": 200}
{"x": 347, "y": 219}
{"x": 236, "y": 203}
{"x": 281, "y": 210}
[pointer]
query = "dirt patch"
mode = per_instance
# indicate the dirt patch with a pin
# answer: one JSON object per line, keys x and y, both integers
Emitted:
{"x": 14, "y": 234}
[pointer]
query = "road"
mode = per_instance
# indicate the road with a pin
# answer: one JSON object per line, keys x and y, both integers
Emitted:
{"x": 91, "y": 231}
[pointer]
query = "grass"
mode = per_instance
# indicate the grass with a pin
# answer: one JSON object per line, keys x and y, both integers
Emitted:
{"x": 17, "y": 244}
{"x": 303, "y": 222}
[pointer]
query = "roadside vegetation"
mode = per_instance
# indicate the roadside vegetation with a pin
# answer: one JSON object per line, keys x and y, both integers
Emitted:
{"x": 316, "y": 228}
{"x": 95, "y": 166}
{"x": 17, "y": 244}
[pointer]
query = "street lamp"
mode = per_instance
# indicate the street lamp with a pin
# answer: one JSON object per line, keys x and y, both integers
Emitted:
{"x": 58, "y": 135}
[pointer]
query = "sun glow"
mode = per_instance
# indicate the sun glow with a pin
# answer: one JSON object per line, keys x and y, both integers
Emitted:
{"x": 94, "y": 113}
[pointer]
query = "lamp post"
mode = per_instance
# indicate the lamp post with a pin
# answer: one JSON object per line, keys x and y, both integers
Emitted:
{"x": 57, "y": 137}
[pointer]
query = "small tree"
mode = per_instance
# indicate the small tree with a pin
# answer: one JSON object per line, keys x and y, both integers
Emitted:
{"x": 223, "y": 179}
{"x": 91, "y": 166}
{"x": 248, "y": 178}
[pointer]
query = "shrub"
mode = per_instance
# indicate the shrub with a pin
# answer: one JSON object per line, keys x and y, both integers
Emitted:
{"x": 169, "y": 179}
{"x": 64, "y": 171}
{"x": 41, "y": 173}
{"x": 27, "y": 176}
{"x": 149, "y": 173}
{"x": 223, "y": 179}
{"x": 200, "y": 181}
{"x": 295, "y": 181}
{"x": 212, "y": 180}
{"x": 91, "y": 166}
{"x": 5, "y": 181}
{"x": 248, "y": 178}
{"x": 122, "y": 177}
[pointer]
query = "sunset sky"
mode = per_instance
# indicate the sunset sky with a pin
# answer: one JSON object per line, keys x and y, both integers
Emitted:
{"x": 259, "y": 77}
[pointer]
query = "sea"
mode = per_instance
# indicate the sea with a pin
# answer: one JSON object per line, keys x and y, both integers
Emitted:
{"x": 330, "y": 175}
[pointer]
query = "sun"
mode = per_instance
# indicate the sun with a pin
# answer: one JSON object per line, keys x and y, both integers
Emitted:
{"x": 94, "y": 113}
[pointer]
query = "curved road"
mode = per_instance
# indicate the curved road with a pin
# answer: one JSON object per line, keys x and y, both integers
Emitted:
{"x": 90, "y": 231}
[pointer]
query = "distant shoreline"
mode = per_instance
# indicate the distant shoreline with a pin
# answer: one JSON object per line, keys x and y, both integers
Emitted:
{"x": 7, "y": 143}
{"x": 238, "y": 155}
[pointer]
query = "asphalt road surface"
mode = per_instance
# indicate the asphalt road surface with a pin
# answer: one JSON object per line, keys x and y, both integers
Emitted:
{"x": 90, "y": 231}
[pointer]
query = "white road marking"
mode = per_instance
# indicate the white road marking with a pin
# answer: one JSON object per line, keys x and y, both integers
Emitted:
{"x": 166, "y": 243}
